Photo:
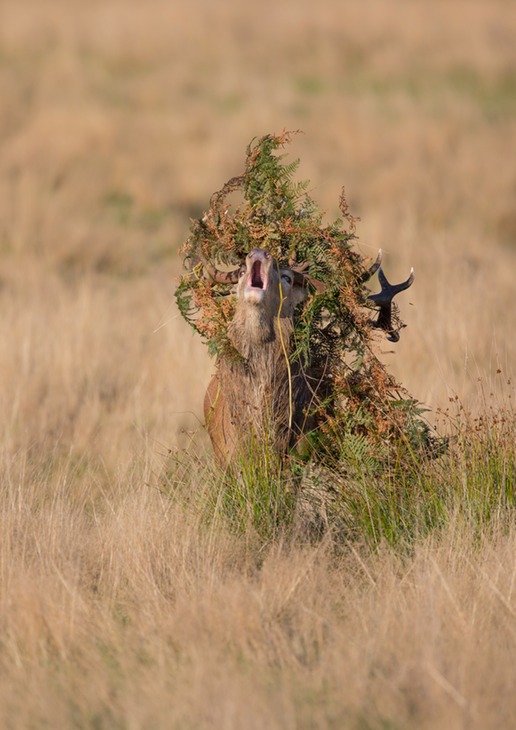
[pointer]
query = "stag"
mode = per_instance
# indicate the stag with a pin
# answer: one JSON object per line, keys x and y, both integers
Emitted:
{"x": 260, "y": 394}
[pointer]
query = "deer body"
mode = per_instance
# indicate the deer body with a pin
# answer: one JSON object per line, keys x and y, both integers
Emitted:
{"x": 259, "y": 394}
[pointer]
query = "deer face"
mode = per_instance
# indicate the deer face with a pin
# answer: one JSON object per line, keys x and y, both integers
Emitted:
{"x": 263, "y": 284}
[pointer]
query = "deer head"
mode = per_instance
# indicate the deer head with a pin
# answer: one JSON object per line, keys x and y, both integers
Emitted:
{"x": 276, "y": 292}
{"x": 266, "y": 294}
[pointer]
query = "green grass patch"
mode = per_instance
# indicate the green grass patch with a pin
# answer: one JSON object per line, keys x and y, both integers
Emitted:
{"x": 471, "y": 484}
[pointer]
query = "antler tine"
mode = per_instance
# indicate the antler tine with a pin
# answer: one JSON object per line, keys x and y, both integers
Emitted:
{"x": 301, "y": 268}
{"x": 384, "y": 301}
{"x": 374, "y": 267}
{"x": 222, "y": 277}
{"x": 388, "y": 290}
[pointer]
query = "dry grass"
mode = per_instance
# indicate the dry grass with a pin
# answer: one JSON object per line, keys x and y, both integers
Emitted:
{"x": 119, "y": 608}
{"x": 119, "y": 612}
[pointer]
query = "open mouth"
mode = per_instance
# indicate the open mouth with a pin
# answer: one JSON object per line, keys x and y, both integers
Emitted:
{"x": 257, "y": 278}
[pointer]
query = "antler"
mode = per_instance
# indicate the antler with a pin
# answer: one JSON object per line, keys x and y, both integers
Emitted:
{"x": 384, "y": 300}
{"x": 222, "y": 277}
{"x": 211, "y": 272}
{"x": 302, "y": 278}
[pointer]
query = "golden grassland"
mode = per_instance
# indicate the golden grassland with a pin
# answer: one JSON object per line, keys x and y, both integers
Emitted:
{"x": 119, "y": 606}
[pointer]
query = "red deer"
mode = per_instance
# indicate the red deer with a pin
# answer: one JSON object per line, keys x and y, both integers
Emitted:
{"x": 261, "y": 394}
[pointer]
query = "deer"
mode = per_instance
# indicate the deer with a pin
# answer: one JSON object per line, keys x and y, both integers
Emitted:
{"x": 260, "y": 394}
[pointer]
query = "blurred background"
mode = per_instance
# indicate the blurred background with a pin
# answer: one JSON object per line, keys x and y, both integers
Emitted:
{"x": 120, "y": 119}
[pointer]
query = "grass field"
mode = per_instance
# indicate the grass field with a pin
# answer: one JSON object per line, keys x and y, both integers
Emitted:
{"x": 121, "y": 606}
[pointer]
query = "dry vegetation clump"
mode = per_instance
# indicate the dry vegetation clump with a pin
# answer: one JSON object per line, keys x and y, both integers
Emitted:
{"x": 333, "y": 330}
{"x": 365, "y": 423}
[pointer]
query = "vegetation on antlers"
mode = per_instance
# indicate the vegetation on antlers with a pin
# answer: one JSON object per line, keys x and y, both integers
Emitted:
{"x": 333, "y": 331}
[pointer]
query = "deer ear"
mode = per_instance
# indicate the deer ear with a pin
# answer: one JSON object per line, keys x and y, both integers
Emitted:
{"x": 298, "y": 294}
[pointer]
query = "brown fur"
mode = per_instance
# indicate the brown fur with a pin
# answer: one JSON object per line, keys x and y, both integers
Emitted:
{"x": 259, "y": 395}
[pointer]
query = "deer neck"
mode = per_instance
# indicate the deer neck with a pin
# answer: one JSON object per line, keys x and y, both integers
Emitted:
{"x": 252, "y": 329}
